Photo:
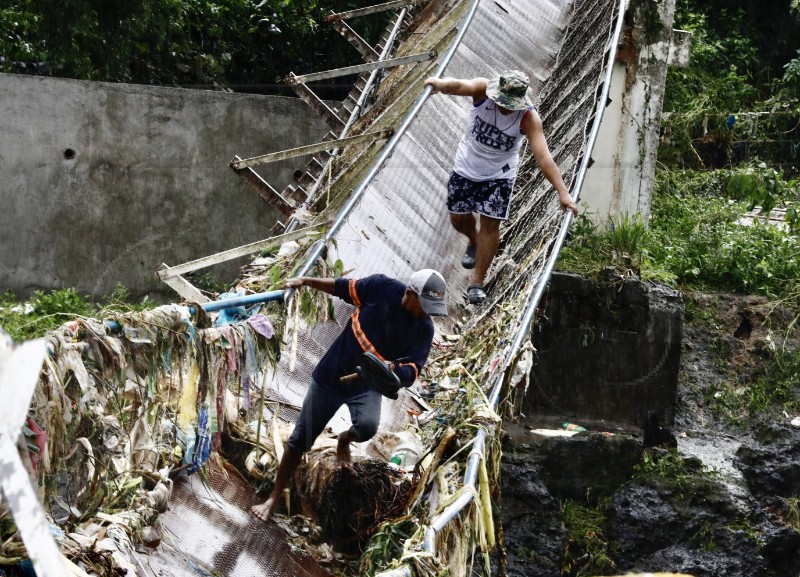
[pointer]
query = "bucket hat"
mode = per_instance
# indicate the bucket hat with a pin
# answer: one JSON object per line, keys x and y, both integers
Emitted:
{"x": 510, "y": 90}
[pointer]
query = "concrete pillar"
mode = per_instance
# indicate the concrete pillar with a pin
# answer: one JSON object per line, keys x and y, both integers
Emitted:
{"x": 620, "y": 180}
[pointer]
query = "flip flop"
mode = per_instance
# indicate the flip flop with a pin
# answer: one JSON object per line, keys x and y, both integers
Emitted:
{"x": 475, "y": 294}
{"x": 468, "y": 260}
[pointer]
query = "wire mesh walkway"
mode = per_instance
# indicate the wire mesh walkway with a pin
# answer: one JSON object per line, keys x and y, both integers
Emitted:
{"x": 388, "y": 213}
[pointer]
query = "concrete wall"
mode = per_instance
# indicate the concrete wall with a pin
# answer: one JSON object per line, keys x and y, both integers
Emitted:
{"x": 101, "y": 183}
{"x": 606, "y": 352}
{"x": 620, "y": 181}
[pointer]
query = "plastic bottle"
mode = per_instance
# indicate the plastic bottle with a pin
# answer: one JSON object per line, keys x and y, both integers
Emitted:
{"x": 572, "y": 427}
{"x": 406, "y": 455}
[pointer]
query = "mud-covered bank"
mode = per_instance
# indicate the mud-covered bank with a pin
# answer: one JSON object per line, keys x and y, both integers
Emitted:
{"x": 716, "y": 495}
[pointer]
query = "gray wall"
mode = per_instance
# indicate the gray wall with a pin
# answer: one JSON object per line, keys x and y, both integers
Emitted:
{"x": 149, "y": 181}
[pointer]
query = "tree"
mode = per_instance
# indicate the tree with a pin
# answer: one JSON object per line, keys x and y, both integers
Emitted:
{"x": 245, "y": 45}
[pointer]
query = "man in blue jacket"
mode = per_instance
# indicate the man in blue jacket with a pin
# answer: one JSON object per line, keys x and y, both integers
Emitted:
{"x": 392, "y": 321}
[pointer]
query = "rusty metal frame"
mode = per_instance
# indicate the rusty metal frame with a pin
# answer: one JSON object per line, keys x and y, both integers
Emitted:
{"x": 354, "y": 115}
{"x": 265, "y": 190}
{"x": 317, "y": 105}
{"x": 167, "y": 272}
{"x": 367, "y": 51}
{"x": 359, "y": 68}
{"x": 183, "y": 287}
{"x": 370, "y": 10}
{"x": 240, "y": 164}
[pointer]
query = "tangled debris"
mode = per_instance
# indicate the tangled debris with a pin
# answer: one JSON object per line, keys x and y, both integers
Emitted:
{"x": 354, "y": 500}
{"x": 123, "y": 406}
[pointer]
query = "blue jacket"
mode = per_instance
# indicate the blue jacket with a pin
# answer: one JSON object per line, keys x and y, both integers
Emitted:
{"x": 379, "y": 325}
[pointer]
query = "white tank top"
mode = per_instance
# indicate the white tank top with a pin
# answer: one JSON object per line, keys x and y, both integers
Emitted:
{"x": 490, "y": 146}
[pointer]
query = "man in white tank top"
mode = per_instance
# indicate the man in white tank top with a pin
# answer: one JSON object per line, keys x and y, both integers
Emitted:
{"x": 486, "y": 164}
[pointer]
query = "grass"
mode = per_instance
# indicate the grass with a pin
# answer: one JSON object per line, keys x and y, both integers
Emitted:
{"x": 47, "y": 310}
{"x": 693, "y": 240}
{"x": 792, "y": 513}
{"x": 587, "y": 551}
{"x": 386, "y": 544}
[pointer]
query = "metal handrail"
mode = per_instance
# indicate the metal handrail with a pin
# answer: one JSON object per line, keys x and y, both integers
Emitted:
{"x": 387, "y": 151}
{"x": 470, "y": 475}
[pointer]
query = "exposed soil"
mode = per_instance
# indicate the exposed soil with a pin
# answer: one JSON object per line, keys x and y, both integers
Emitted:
{"x": 728, "y": 342}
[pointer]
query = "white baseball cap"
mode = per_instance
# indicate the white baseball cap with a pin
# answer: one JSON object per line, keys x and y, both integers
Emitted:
{"x": 431, "y": 288}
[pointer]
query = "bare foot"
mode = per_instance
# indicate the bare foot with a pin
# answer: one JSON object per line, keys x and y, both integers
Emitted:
{"x": 264, "y": 510}
{"x": 343, "y": 451}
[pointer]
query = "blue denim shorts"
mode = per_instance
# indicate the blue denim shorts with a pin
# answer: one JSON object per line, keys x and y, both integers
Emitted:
{"x": 490, "y": 197}
{"x": 322, "y": 402}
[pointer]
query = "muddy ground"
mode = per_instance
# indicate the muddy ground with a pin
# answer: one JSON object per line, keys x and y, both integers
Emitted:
{"x": 729, "y": 341}
{"x": 725, "y": 503}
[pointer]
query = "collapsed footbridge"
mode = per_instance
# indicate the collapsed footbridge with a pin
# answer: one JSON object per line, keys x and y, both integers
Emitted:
{"x": 148, "y": 394}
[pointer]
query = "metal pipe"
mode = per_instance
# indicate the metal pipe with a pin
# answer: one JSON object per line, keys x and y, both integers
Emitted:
{"x": 522, "y": 331}
{"x": 240, "y": 163}
{"x": 115, "y": 327}
{"x": 166, "y": 272}
{"x": 359, "y": 68}
{"x": 241, "y": 301}
{"x": 466, "y": 497}
{"x": 369, "y": 10}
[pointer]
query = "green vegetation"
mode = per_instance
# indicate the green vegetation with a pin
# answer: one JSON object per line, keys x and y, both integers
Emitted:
{"x": 586, "y": 548}
{"x": 386, "y": 543}
{"x": 694, "y": 240}
{"x": 683, "y": 477}
{"x": 665, "y": 465}
{"x": 740, "y": 96}
{"x": 697, "y": 236}
{"x": 739, "y": 403}
{"x": 45, "y": 311}
{"x": 245, "y": 45}
{"x": 792, "y": 512}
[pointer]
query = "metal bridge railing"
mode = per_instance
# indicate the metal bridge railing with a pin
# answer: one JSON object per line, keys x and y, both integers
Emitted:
{"x": 477, "y": 453}
{"x": 467, "y": 492}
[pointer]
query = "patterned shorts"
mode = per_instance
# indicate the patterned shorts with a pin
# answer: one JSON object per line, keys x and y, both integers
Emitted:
{"x": 489, "y": 198}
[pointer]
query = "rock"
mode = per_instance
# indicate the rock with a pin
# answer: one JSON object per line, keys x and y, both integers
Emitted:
{"x": 686, "y": 526}
{"x": 531, "y": 518}
{"x": 772, "y": 470}
{"x": 151, "y": 537}
{"x": 588, "y": 466}
{"x": 782, "y": 550}
{"x": 655, "y": 435}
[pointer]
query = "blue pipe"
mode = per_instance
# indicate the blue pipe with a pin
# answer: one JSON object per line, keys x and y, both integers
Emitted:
{"x": 115, "y": 327}
{"x": 241, "y": 301}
